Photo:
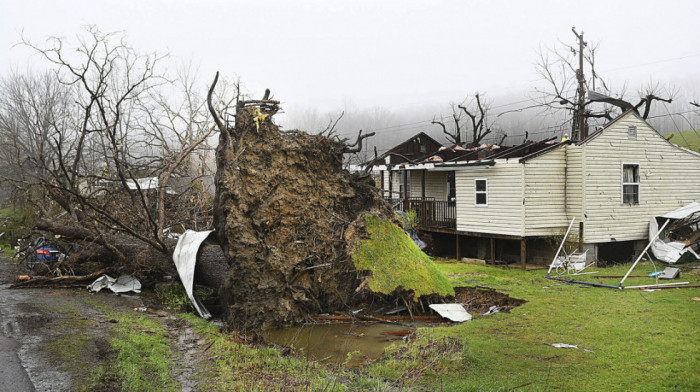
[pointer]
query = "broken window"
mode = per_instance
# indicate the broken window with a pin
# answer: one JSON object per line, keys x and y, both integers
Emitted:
{"x": 481, "y": 191}
{"x": 630, "y": 184}
{"x": 632, "y": 133}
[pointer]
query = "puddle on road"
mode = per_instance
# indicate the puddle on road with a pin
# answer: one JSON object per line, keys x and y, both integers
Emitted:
{"x": 333, "y": 342}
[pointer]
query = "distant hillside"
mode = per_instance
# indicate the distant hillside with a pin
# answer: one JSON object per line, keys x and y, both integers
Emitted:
{"x": 689, "y": 139}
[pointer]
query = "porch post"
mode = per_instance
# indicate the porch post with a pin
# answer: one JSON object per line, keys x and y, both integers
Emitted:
{"x": 523, "y": 253}
{"x": 457, "y": 246}
{"x": 493, "y": 251}
{"x": 580, "y": 237}
{"x": 422, "y": 185}
{"x": 391, "y": 183}
{"x": 405, "y": 190}
{"x": 381, "y": 182}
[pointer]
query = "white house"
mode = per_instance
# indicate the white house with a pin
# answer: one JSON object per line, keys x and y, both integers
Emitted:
{"x": 612, "y": 183}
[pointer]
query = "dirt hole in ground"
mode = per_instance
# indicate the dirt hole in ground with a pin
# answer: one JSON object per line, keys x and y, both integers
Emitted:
{"x": 480, "y": 300}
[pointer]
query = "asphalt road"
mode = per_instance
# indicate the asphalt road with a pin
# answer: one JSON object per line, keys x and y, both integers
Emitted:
{"x": 13, "y": 374}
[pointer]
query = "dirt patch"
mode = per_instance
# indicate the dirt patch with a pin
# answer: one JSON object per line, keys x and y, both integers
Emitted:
{"x": 480, "y": 300}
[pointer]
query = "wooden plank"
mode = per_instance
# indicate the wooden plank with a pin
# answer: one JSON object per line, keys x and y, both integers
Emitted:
{"x": 523, "y": 254}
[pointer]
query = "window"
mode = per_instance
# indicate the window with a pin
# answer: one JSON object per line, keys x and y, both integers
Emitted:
{"x": 630, "y": 184}
{"x": 481, "y": 192}
{"x": 632, "y": 133}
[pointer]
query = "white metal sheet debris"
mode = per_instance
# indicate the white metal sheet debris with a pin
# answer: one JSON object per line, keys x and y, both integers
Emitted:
{"x": 564, "y": 345}
{"x": 670, "y": 252}
{"x": 453, "y": 312}
{"x": 123, "y": 284}
{"x": 185, "y": 258}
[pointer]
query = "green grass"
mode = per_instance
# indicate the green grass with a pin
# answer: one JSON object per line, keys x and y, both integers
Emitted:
{"x": 637, "y": 340}
{"x": 143, "y": 358}
{"x": 236, "y": 366}
{"x": 689, "y": 139}
{"x": 396, "y": 262}
{"x": 19, "y": 219}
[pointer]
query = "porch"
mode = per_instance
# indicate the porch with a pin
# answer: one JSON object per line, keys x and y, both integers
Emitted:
{"x": 430, "y": 214}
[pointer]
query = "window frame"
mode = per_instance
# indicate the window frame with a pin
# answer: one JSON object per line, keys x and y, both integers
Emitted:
{"x": 630, "y": 135}
{"x": 484, "y": 192}
{"x": 623, "y": 183}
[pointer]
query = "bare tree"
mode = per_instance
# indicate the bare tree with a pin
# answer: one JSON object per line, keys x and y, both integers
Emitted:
{"x": 475, "y": 112}
{"x": 121, "y": 134}
{"x": 564, "y": 66}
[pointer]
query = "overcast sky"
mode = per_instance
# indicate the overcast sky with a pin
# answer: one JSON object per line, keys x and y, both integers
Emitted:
{"x": 398, "y": 55}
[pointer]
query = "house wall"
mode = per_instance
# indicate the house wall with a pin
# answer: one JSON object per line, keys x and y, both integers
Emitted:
{"x": 574, "y": 183}
{"x": 385, "y": 175}
{"x": 668, "y": 180}
{"x": 504, "y": 212}
{"x": 545, "y": 194}
{"x": 435, "y": 185}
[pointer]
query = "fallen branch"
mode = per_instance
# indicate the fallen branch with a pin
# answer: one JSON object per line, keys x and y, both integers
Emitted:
{"x": 60, "y": 281}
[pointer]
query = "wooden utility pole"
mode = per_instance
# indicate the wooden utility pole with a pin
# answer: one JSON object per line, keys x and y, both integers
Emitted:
{"x": 579, "y": 129}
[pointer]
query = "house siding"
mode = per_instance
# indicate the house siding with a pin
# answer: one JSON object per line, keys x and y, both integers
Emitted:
{"x": 574, "y": 183}
{"x": 668, "y": 180}
{"x": 435, "y": 185}
{"x": 545, "y": 194}
{"x": 504, "y": 212}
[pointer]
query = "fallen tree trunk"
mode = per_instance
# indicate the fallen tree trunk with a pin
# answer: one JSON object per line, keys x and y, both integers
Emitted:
{"x": 212, "y": 267}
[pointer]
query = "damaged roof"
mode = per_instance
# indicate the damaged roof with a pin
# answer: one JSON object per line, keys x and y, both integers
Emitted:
{"x": 458, "y": 154}
{"x": 412, "y": 150}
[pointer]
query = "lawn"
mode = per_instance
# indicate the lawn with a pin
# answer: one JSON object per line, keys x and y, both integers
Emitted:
{"x": 627, "y": 339}
{"x": 689, "y": 139}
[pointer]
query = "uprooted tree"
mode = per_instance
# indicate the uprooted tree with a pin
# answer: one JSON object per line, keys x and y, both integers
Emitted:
{"x": 97, "y": 145}
{"x": 301, "y": 234}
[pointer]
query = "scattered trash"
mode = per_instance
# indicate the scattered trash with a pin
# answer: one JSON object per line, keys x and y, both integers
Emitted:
{"x": 664, "y": 247}
{"x": 453, "y": 312}
{"x": 23, "y": 277}
{"x": 123, "y": 284}
{"x": 493, "y": 310}
{"x": 649, "y": 290}
{"x": 564, "y": 345}
{"x": 670, "y": 273}
{"x": 696, "y": 298}
{"x": 185, "y": 258}
{"x": 140, "y": 309}
{"x": 357, "y": 311}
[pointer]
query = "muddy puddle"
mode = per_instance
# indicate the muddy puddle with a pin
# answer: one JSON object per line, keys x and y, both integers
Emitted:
{"x": 333, "y": 342}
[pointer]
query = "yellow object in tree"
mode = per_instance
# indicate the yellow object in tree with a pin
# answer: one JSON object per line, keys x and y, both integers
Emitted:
{"x": 258, "y": 117}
